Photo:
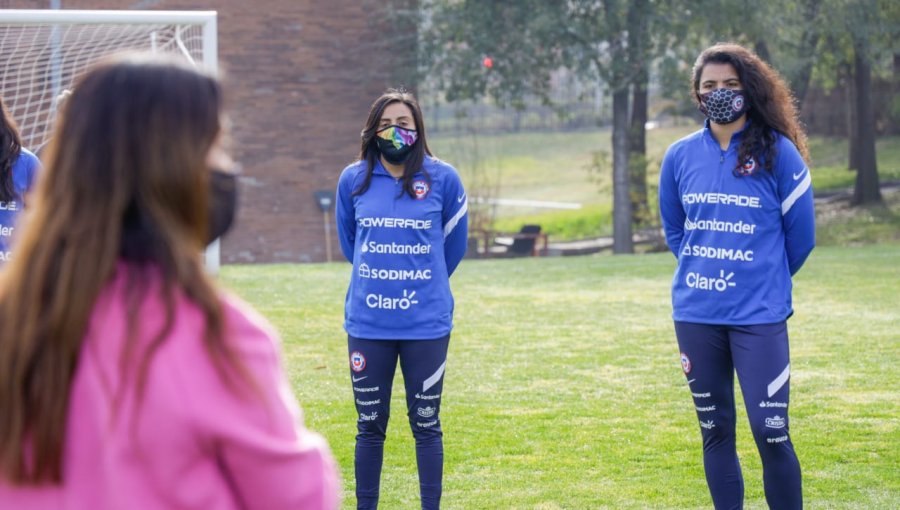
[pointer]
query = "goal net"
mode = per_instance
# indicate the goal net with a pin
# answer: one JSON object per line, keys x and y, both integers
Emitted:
{"x": 43, "y": 52}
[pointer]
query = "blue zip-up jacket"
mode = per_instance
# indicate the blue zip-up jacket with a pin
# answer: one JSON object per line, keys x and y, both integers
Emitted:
{"x": 403, "y": 251}
{"x": 738, "y": 240}
{"x": 24, "y": 172}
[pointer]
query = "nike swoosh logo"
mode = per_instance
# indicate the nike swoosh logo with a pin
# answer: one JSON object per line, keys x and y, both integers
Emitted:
{"x": 691, "y": 380}
{"x": 461, "y": 198}
{"x": 797, "y": 176}
{"x": 357, "y": 379}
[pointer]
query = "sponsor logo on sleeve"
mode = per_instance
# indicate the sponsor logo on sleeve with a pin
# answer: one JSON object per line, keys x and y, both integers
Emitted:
{"x": 708, "y": 424}
{"x": 766, "y": 403}
{"x": 421, "y": 396}
{"x": 705, "y": 409}
{"x": 427, "y": 424}
{"x": 368, "y": 402}
{"x": 425, "y": 412}
{"x": 360, "y": 389}
{"x": 776, "y": 439}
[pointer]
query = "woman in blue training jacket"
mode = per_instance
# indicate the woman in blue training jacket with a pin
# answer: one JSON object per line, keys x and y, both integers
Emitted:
{"x": 18, "y": 169}
{"x": 737, "y": 208}
{"x": 402, "y": 223}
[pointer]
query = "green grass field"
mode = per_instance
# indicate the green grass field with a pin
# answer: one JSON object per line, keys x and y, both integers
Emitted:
{"x": 554, "y": 166}
{"x": 564, "y": 389}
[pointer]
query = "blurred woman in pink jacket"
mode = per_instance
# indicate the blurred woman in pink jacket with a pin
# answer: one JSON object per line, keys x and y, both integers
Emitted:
{"x": 127, "y": 379}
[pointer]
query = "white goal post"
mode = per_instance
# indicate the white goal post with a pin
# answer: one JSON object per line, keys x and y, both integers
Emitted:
{"x": 43, "y": 52}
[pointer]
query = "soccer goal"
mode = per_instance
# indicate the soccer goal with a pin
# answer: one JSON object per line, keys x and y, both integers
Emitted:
{"x": 43, "y": 52}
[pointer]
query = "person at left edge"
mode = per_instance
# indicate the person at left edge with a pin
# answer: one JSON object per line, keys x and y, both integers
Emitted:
{"x": 402, "y": 223}
{"x": 18, "y": 169}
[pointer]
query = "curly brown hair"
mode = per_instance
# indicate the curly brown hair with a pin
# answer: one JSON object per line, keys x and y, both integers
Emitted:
{"x": 772, "y": 106}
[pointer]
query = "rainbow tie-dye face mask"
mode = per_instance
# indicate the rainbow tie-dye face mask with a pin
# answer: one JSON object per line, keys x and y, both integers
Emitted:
{"x": 398, "y": 136}
{"x": 395, "y": 143}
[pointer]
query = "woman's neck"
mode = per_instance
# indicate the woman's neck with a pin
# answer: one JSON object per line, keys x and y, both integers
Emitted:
{"x": 396, "y": 171}
{"x": 723, "y": 132}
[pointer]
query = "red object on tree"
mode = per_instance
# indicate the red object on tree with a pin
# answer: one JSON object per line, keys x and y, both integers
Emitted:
{"x": 488, "y": 62}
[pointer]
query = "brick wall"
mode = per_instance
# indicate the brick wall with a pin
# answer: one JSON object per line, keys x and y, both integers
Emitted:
{"x": 300, "y": 77}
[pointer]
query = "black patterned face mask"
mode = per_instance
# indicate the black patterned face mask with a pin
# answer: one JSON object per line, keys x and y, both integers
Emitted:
{"x": 723, "y": 106}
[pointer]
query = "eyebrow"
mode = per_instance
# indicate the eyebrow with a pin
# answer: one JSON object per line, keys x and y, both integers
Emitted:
{"x": 734, "y": 78}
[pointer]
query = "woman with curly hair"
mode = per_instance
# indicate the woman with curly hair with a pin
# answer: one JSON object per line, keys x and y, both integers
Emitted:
{"x": 737, "y": 208}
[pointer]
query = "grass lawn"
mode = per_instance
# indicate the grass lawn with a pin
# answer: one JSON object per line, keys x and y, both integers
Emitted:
{"x": 564, "y": 388}
{"x": 554, "y": 166}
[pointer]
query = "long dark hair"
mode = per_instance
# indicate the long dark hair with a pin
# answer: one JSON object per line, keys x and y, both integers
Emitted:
{"x": 132, "y": 140}
{"x": 10, "y": 148}
{"x": 772, "y": 107}
{"x": 369, "y": 152}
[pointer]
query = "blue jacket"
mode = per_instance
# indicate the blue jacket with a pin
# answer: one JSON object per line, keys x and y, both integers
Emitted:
{"x": 403, "y": 251}
{"x": 24, "y": 171}
{"x": 738, "y": 240}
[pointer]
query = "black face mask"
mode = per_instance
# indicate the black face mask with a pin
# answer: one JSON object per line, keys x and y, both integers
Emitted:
{"x": 395, "y": 143}
{"x": 222, "y": 203}
{"x": 140, "y": 240}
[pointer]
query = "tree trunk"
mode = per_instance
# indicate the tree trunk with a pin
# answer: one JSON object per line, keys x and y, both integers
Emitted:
{"x": 867, "y": 188}
{"x": 852, "y": 125}
{"x": 762, "y": 50}
{"x": 622, "y": 242}
{"x": 808, "y": 43}
{"x": 637, "y": 132}
{"x": 637, "y": 153}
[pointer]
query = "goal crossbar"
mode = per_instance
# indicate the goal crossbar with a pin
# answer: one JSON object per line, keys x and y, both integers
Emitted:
{"x": 73, "y": 17}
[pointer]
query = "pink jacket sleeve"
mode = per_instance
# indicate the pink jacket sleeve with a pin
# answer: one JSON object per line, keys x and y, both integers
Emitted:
{"x": 257, "y": 433}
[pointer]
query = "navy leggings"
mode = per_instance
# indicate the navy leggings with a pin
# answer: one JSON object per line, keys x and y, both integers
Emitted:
{"x": 372, "y": 367}
{"x": 710, "y": 355}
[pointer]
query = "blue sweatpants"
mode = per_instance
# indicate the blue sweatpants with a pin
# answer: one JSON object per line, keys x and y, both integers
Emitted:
{"x": 710, "y": 355}
{"x": 372, "y": 367}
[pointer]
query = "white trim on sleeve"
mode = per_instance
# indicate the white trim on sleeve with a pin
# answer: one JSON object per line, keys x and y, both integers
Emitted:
{"x": 796, "y": 194}
{"x": 448, "y": 228}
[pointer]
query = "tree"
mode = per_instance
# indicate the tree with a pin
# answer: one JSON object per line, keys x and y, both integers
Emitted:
{"x": 528, "y": 40}
{"x": 858, "y": 33}
{"x": 867, "y": 189}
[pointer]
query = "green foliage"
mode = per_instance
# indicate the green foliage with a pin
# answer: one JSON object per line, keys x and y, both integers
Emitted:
{"x": 584, "y": 223}
{"x": 564, "y": 390}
